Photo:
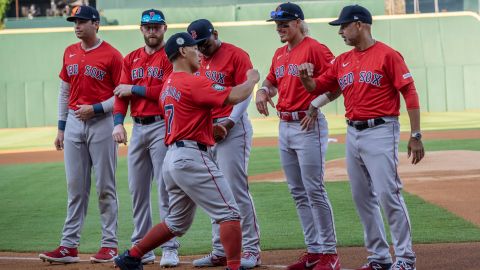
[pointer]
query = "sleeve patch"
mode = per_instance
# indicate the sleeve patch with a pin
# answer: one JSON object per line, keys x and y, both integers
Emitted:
{"x": 407, "y": 75}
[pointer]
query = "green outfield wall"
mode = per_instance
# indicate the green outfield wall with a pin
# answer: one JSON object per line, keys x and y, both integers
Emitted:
{"x": 442, "y": 53}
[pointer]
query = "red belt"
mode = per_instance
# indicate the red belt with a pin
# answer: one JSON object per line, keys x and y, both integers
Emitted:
{"x": 292, "y": 116}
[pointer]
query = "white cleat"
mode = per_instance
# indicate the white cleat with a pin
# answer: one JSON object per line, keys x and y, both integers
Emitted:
{"x": 169, "y": 258}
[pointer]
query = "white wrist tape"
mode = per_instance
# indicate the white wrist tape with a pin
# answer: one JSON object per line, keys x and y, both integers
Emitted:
{"x": 264, "y": 88}
{"x": 320, "y": 101}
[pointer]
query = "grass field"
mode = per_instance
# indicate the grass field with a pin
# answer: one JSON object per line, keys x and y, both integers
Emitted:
{"x": 34, "y": 203}
{"x": 42, "y": 138}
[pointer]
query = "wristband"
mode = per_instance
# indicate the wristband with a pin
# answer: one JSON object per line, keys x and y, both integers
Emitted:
{"x": 320, "y": 101}
{"x": 118, "y": 119}
{"x": 264, "y": 88}
{"x": 61, "y": 125}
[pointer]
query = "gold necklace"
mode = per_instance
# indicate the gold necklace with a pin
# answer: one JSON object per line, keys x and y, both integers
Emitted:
{"x": 211, "y": 58}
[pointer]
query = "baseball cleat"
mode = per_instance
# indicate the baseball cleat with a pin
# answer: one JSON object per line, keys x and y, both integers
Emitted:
{"x": 127, "y": 262}
{"x": 60, "y": 255}
{"x": 328, "y": 262}
{"x": 250, "y": 260}
{"x": 306, "y": 262}
{"x": 169, "y": 258}
{"x": 104, "y": 255}
{"x": 148, "y": 258}
{"x": 403, "y": 265}
{"x": 376, "y": 266}
{"x": 210, "y": 260}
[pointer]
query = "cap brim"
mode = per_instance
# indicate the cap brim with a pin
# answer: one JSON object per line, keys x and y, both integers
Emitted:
{"x": 281, "y": 19}
{"x": 340, "y": 22}
{"x": 72, "y": 18}
{"x": 145, "y": 23}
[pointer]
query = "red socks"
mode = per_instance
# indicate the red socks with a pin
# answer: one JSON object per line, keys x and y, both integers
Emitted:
{"x": 154, "y": 238}
{"x": 231, "y": 238}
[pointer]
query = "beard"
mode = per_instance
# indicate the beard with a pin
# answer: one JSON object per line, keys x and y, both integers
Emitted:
{"x": 153, "y": 41}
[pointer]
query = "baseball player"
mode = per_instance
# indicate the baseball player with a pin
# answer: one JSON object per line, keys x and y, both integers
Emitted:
{"x": 143, "y": 69}
{"x": 91, "y": 70}
{"x": 189, "y": 171}
{"x": 371, "y": 77}
{"x": 226, "y": 65}
{"x": 302, "y": 152}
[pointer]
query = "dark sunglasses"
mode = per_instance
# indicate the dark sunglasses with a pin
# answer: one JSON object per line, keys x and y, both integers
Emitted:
{"x": 281, "y": 14}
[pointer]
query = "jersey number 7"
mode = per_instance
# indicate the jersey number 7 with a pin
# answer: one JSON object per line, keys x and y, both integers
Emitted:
{"x": 169, "y": 112}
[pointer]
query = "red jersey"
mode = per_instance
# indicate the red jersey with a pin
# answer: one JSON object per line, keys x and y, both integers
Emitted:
{"x": 187, "y": 101}
{"x": 284, "y": 73}
{"x": 92, "y": 74}
{"x": 370, "y": 81}
{"x": 140, "y": 68}
{"x": 227, "y": 67}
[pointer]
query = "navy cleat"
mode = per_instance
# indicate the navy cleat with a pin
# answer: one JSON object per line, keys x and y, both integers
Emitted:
{"x": 127, "y": 262}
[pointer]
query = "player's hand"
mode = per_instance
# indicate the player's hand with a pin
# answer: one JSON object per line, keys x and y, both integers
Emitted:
{"x": 119, "y": 134}
{"x": 59, "y": 140}
{"x": 416, "y": 150}
{"x": 253, "y": 75}
{"x": 306, "y": 70}
{"x": 228, "y": 124}
{"x": 219, "y": 132}
{"x": 123, "y": 90}
{"x": 261, "y": 100}
{"x": 84, "y": 112}
{"x": 309, "y": 120}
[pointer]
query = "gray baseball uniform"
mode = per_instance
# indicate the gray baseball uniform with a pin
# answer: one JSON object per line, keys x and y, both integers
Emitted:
{"x": 147, "y": 149}
{"x": 146, "y": 153}
{"x": 228, "y": 67}
{"x": 302, "y": 153}
{"x": 232, "y": 155}
{"x": 92, "y": 75}
{"x": 371, "y": 82}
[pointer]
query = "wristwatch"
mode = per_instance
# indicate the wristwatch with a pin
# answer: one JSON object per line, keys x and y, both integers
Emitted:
{"x": 417, "y": 135}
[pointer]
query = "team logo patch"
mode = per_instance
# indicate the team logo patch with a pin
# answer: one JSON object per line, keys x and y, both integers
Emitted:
{"x": 218, "y": 87}
{"x": 76, "y": 10}
{"x": 193, "y": 33}
{"x": 407, "y": 75}
{"x": 152, "y": 14}
{"x": 180, "y": 41}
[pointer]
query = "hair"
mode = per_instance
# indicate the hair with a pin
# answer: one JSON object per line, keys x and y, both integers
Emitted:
{"x": 304, "y": 28}
{"x": 174, "y": 56}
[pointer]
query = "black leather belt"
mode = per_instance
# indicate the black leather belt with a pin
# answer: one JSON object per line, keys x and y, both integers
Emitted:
{"x": 361, "y": 125}
{"x": 147, "y": 120}
{"x": 201, "y": 146}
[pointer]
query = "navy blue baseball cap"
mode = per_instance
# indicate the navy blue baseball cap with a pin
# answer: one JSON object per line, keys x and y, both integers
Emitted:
{"x": 353, "y": 13}
{"x": 152, "y": 16}
{"x": 84, "y": 13}
{"x": 177, "y": 41}
{"x": 286, "y": 12}
{"x": 200, "y": 30}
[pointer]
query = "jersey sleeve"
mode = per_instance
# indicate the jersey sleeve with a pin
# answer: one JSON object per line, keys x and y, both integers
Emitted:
{"x": 241, "y": 64}
{"x": 207, "y": 93}
{"x": 126, "y": 70}
{"x": 63, "y": 73}
{"x": 396, "y": 69}
{"x": 153, "y": 92}
{"x": 271, "y": 74}
{"x": 116, "y": 67}
{"x": 327, "y": 81}
{"x": 322, "y": 57}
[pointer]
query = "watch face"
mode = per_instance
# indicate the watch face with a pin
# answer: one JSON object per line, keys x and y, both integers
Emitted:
{"x": 417, "y": 135}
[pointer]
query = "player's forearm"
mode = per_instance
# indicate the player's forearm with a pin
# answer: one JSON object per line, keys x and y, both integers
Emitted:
{"x": 414, "y": 115}
{"x": 63, "y": 97}
{"x": 271, "y": 90}
{"x": 309, "y": 84}
{"x": 107, "y": 105}
{"x": 240, "y": 92}
{"x": 239, "y": 109}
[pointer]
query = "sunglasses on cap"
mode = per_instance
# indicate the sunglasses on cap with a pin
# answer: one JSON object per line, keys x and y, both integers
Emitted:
{"x": 281, "y": 14}
{"x": 155, "y": 18}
